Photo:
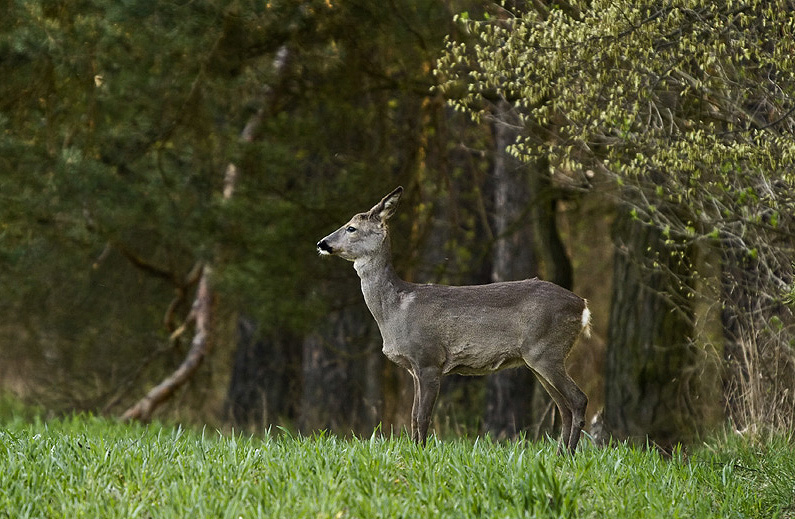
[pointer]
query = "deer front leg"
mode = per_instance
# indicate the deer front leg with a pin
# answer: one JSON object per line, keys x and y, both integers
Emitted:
{"x": 429, "y": 382}
{"x": 415, "y": 408}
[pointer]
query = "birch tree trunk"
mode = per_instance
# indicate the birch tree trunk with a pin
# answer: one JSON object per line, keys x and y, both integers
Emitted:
{"x": 201, "y": 310}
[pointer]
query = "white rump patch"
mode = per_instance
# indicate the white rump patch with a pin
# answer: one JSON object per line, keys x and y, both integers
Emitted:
{"x": 586, "y": 321}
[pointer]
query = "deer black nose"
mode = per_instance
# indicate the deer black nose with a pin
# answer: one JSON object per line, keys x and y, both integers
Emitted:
{"x": 324, "y": 247}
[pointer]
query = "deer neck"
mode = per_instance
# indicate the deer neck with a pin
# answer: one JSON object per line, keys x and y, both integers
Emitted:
{"x": 380, "y": 283}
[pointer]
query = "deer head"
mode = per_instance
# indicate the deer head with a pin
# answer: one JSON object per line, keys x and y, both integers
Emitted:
{"x": 365, "y": 235}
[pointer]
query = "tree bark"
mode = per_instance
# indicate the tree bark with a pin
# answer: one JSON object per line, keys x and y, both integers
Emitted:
{"x": 265, "y": 384}
{"x": 551, "y": 252}
{"x": 341, "y": 374}
{"x": 650, "y": 361}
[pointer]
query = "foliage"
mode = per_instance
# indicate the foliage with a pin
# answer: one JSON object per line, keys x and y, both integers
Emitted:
{"x": 117, "y": 122}
{"x": 83, "y": 466}
{"x": 685, "y": 110}
{"x": 120, "y": 119}
{"x": 116, "y": 119}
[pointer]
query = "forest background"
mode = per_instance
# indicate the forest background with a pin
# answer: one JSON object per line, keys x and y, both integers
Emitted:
{"x": 166, "y": 169}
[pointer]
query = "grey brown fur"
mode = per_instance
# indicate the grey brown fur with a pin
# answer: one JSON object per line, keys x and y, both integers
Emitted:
{"x": 433, "y": 330}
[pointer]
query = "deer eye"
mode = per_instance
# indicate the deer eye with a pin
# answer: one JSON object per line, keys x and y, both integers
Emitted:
{"x": 351, "y": 228}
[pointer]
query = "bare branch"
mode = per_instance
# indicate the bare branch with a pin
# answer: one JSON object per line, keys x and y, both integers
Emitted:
{"x": 200, "y": 346}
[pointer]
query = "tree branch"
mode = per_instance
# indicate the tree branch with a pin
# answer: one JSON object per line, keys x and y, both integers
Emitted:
{"x": 144, "y": 265}
{"x": 200, "y": 346}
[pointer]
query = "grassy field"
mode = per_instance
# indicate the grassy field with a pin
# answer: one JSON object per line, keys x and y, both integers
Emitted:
{"x": 93, "y": 468}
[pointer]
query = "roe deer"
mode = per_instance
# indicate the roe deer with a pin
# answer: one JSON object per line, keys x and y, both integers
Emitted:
{"x": 432, "y": 330}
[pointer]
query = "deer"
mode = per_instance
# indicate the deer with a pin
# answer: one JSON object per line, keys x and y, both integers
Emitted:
{"x": 433, "y": 330}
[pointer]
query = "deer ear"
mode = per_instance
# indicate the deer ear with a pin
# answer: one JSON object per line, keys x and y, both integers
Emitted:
{"x": 384, "y": 209}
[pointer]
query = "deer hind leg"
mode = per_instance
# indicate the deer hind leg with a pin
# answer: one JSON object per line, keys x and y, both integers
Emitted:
{"x": 555, "y": 374}
{"x": 429, "y": 380}
{"x": 566, "y": 414}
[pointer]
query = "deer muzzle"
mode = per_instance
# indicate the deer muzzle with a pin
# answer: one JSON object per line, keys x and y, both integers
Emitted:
{"x": 324, "y": 248}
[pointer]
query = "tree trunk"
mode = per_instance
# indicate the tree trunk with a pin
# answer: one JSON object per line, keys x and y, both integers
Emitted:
{"x": 551, "y": 252}
{"x": 650, "y": 361}
{"x": 264, "y": 386}
{"x": 509, "y": 393}
{"x": 341, "y": 374}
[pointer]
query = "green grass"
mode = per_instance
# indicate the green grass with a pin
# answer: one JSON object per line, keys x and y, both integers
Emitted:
{"x": 89, "y": 467}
